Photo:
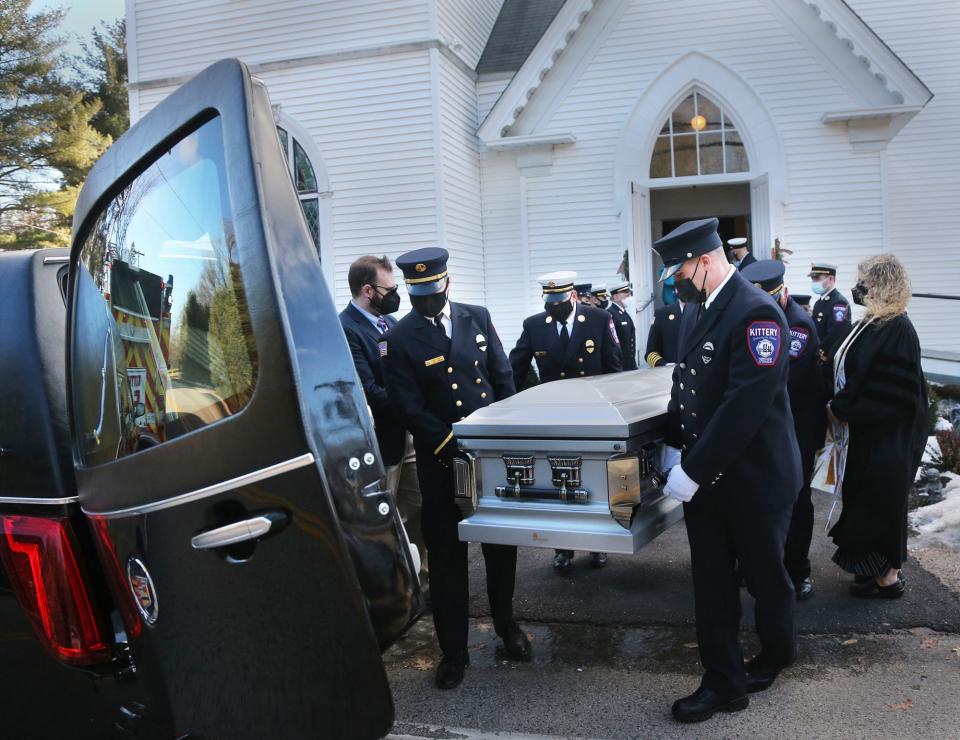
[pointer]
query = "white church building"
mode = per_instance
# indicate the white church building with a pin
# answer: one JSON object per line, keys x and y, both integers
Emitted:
{"x": 528, "y": 136}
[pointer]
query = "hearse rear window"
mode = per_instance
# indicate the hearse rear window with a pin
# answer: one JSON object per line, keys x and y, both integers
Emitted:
{"x": 163, "y": 257}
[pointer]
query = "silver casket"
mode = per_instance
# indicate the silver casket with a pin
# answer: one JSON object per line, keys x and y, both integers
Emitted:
{"x": 572, "y": 464}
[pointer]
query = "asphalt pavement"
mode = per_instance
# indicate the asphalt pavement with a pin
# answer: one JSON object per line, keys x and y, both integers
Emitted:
{"x": 613, "y": 648}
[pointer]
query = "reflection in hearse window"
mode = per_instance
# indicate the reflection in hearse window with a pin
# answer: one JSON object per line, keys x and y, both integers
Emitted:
{"x": 163, "y": 256}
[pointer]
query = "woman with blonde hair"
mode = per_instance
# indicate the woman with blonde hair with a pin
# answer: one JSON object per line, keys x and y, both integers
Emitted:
{"x": 880, "y": 395}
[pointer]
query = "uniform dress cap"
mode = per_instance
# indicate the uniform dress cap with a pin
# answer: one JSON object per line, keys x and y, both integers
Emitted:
{"x": 822, "y": 268}
{"x": 583, "y": 288}
{"x": 424, "y": 270}
{"x": 801, "y": 298}
{"x": 556, "y": 286}
{"x": 620, "y": 286}
{"x": 600, "y": 291}
{"x": 766, "y": 275}
{"x": 737, "y": 242}
{"x": 688, "y": 240}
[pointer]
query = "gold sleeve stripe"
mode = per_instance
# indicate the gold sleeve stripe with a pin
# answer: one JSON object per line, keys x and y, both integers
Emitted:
{"x": 653, "y": 358}
{"x": 443, "y": 444}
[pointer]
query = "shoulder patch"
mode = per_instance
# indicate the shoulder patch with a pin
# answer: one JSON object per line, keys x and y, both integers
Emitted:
{"x": 840, "y": 312}
{"x": 613, "y": 331}
{"x": 763, "y": 341}
{"x": 799, "y": 337}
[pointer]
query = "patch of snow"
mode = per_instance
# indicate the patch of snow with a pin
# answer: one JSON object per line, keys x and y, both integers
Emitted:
{"x": 942, "y": 425}
{"x": 939, "y": 523}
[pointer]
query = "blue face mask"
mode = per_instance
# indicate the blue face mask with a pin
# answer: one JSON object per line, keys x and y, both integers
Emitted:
{"x": 817, "y": 288}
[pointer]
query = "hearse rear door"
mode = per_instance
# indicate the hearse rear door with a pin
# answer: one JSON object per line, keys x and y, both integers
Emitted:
{"x": 223, "y": 450}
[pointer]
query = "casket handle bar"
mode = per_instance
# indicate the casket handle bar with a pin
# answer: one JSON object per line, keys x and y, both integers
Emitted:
{"x": 631, "y": 479}
{"x": 560, "y": 494}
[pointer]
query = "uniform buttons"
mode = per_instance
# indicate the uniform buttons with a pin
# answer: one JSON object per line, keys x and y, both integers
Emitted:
{"x": 681, "y": 386}
{"x": 459, "y": 403}
{"x": 563, "y": 375}
{"x": 683, "y": 366}
{"x": 693, "y": 414}
{"x": 694, "y": 392}
{"x": 682, "y": 426}
{"x": 681, "y": 407}
{"x": 693, "y": 371}
{"x": 582, "y": 372}
{"x": 684, "y": 447}
{"x": 478, "y": 381}
{"x": 579, "y": 359}
{"x": 483, "y": 395}
{"x": 695, "y": 436}
{"x": 462, "y": 418}
{"x": 449, "y": 370}
{"x": 476, "y": 363}
{"x": 454, "y": 386}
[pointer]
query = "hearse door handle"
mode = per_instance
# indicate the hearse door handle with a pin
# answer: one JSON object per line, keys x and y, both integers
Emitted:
{"x": 230, "y": 534}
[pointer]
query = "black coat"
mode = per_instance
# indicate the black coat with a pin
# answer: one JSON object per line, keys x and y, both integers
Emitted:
{"x": 831, "y": 314}
{"x": 434, "y": 381}
{"x": 807, "y": 397}
{"x": 884, "y": 402}
{"x": 749, "y": 259}
{"x": 365, "y": 341}
{"x": 729, "y": 412}
{"x": 626, "y": 334}
{"x": 664, "y": 336}
{"x": 593, "y": 348}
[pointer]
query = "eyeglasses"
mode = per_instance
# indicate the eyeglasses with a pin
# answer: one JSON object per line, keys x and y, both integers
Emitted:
{"x": 383, "y": 288}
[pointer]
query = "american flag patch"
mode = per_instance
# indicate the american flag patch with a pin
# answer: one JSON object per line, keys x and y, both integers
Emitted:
{"x": 382, "y": 346}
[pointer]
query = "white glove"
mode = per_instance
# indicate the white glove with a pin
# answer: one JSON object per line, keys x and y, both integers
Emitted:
{"x": 680, "y": 486}
{"x": 671, "y": 457}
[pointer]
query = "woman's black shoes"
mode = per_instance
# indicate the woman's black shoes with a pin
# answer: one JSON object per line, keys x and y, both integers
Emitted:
{"x": 450, "y": 671}
{"x": 872, "y": 590}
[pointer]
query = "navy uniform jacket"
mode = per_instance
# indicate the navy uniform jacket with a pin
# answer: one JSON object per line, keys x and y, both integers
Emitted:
{"x": 729, "y": 412}
{"x": 832, "y": 316}
{"x": 626, "y": 335}
{"x": 434, "y": 381}
{"x": 807, "y": 397}
{"x": 664, "y": 335}
{"x": 593, "y": 348}
{"x": 365, "y": 342}
{"x": 749, "y": 259}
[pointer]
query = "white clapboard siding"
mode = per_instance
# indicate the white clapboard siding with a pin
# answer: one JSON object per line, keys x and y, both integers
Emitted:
{"x": 372, "y": 120}
{"x": 511, "y": 293}
{"x": 460, "y": 167}
{"x": 489, "y": 89}
{"x": 179, "y": 37}
{"x": 834, "y": 207}
{"x": 922, "y": 165}
{"x": 467, "y": 22}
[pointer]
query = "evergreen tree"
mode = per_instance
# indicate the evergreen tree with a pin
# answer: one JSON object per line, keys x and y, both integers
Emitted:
{"x": 102, "y": 70}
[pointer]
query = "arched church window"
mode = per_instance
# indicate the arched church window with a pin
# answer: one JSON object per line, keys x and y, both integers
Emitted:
{"x": 305, "y": 179}
{"x": 698, "y": 138}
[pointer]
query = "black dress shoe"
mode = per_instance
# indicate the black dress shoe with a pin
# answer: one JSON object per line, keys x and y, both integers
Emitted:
{"x": 516, "y": 644}
{"x": 762, "y": 672}
{"x": 872, "y": 590}
{"x": 598, "y": 559}
{"x": 562, "y": 560}
{"x": 450, "y": 671}
{"x": 804, "y": 588}
{"x": 703, "y": 703}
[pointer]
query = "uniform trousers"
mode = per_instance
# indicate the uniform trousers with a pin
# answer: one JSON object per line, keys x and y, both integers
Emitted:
{"x": 755, "y": 539}
{"x": 796, "y": 555}
{"x": 449, "y": 588}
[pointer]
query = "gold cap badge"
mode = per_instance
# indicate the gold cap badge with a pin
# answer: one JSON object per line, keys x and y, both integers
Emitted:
{"x": 420, "y": 267}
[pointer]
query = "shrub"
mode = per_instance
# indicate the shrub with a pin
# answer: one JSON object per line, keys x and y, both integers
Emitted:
{"x": 948, "y": 459}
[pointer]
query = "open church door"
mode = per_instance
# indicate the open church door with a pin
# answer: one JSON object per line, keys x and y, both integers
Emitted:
{"x": 643, "y": 264}
{"x": 762, "y": 241}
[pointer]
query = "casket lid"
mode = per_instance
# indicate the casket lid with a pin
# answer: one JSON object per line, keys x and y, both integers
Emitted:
{"x": 616, "y": 406}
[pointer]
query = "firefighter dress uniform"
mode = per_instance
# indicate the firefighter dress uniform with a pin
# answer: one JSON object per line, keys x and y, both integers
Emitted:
{"x": 808, "y": 406}
{"x": 831, "y": 312}
{"x": 437, "y": 371}
{"x": 664, "y": 335}
{"x": 729, "y": 417}
{"x": 626, "y": 330}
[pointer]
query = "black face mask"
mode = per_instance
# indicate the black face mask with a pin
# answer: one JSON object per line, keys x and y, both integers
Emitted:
{"x": 688, "y": 292}
{"x": 388, "y": 302}
{"x": 859, "y": 291}
{"x": 604, "y": 303}
{"x": 558, "y": 311}
{"x": 429, "y": 305}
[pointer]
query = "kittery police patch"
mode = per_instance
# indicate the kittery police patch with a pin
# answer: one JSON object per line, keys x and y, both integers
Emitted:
{"x": 798, "y": 340}
{"x": 840, "y": 312}
{"x": 763, "y": 339}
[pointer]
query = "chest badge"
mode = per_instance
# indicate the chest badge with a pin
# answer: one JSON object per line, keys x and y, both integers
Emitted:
{"x": 142, "y": 588}
{"x": 671, "y": 317}
{"x": 549, "y": 319}
{"x": 589, "y": 345}
{"x": 482, "y": 342}
{"x": 706, "y": 352}
{"x": 581, "y": 318}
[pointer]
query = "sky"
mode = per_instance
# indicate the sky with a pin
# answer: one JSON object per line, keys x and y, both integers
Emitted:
{"x": 82, "y": 16}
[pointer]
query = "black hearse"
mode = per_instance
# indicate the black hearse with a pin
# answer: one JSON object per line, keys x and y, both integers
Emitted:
{"x": 193, "y": 534}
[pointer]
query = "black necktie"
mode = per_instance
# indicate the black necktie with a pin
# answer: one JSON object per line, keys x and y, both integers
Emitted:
{"x": 438, "y": 320}
{"x": 564, "y": 335}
